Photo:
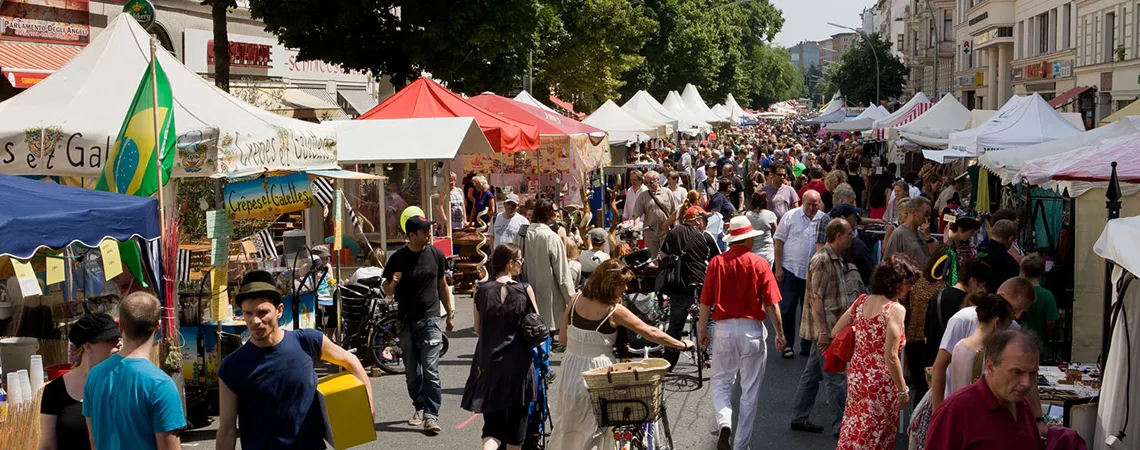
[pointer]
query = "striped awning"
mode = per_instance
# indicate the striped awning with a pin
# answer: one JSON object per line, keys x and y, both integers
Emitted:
{"x": 24, "y": 65}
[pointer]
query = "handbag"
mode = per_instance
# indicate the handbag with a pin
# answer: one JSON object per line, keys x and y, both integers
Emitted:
{"x": 669, "y": 276}
{"x": 842, "y": 346}
{"x": 534, "y": 329}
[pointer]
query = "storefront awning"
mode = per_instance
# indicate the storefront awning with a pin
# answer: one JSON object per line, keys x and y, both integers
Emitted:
{"x": 290, "y": 101}
{"x": 1068, "y": 96}
{"x": 320, "y": 94}
{"x": 24, "y": 65}
{"x": 361, "y": 101}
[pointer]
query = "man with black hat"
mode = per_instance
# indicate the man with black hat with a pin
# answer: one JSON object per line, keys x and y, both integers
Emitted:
{"x": 62, "y": 426}
{"x": 415, "y": 276}
{"x": 269, "y": 384}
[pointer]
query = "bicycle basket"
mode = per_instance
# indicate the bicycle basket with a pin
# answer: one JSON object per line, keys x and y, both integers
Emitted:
{"x": 627, "y": 393}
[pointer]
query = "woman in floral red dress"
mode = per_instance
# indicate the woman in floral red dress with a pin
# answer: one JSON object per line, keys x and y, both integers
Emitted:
{"x": 876, "y": 390}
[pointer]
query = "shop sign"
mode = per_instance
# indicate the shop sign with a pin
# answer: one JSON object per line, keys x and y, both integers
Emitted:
{"x": 1063, "y": 68}
{"x": 1105, "y": 81}
{"x": 964, "y": 81}
{"x": 51, "y": 21}
{"x": 268, "y": 196}
{"x": 979, "y": 18}
{"x": 1018, "y": 73}
{"x": 262, "y": 56}
{"x": 979, "y": 78}
{"x": 1038, "y": 71}
{"x": 142, "y": 11}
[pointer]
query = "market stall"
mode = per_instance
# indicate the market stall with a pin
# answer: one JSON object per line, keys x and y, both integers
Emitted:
{"x": 863, "y": 122}
{"x": 1119, "y": 420}
{"x": 1008, "y": 162}
{"x": 734, "y": 110}
{"x": 622, "y": 128}
{"x": 697, "y": 105}
{"x": 913, "y": 108}
{"x": 646, "y": 106}
{"x": 1021, "y": 122}
{"x": 677, "y": 109}
{"x": 932, "y": 129}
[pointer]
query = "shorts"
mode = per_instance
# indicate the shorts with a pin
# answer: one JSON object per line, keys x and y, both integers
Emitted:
{"x": 508, "y": 427}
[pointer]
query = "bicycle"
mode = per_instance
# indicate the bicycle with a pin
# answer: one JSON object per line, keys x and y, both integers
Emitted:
{"x": 697, "y": 354}
{"x": 634, "y": 409}
{"x": 372, "y": 325}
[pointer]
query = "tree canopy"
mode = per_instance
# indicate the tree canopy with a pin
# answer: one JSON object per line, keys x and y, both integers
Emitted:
{"x": 584, "y": 51}
{"x": 854, "y": 73}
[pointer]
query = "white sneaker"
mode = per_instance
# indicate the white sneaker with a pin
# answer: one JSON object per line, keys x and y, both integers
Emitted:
{"x": 431, "y": 425}
{"x": 417, "y": 419}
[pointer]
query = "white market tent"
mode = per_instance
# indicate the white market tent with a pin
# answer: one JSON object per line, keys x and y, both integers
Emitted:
{"x": 721, "y": 112}
{"x": 913, "y": 108}
{"x": 1023, "y": 121}
{"x": 932, "y": 129}
{"x": 1007, "y": 163}
{"x": 623, "y": 128}
{"x": 73, "y": 117}
{"x": 862, "y": 122}
{"x": 435, "y": 138}
{"x": 663, "y": 129}
{"x": 837, "y": 102}
{"x": 734, "y": 109}
{"x": 698, "y": 106}
{"x": 1120, "y": 243}
{"x": 525, "y": 97}
{"x": 835, "y": 116}
{"x": 677, "y": 109}
{"x": 646, "y": 106}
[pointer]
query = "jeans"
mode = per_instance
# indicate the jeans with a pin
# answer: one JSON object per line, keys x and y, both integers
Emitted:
{"x": 421, "y": 342}
{"x": 836, "y": 384}
{"x": 792, "y": 294}
{"x": 678, "y": 316}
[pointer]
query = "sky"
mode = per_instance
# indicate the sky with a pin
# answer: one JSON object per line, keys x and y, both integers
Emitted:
{"x": 807, "y": 19}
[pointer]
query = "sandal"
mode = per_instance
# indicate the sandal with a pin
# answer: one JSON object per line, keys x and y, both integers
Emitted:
{"x": 789, "y": 354}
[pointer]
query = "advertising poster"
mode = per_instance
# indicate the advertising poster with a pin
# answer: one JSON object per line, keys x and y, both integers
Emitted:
{"x": 50, "y": 21}
{"x": 268, "y": 196}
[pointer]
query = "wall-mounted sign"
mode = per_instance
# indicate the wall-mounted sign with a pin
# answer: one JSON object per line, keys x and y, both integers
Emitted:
{"x": 1105, "y": 81}
{"x": 142, "y": 11}
{"x": 261, "y": 56}
{"x": 979, "y": 78}
{"x": 979, "y": 18}
{"x": 1037, "y": 71}
{"x": 52, "y": 21}
{"x": 966, "y": 47}
{"x": 1063, "y": 68}
{"x": 268, "y": 196}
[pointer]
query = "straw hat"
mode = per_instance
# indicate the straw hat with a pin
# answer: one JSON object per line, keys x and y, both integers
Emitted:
{"x": 739, "y": 229}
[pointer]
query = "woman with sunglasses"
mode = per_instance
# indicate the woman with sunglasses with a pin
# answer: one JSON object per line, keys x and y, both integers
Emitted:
{"x": 590, "y": 329}
{"x": 62, "y": 425}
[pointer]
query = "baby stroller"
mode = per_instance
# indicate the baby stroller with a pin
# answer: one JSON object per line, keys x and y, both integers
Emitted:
{"x": 539, "y": 424}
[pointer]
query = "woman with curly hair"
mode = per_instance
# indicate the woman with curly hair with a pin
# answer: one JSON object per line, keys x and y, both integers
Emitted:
{"x": 876, "y": 390}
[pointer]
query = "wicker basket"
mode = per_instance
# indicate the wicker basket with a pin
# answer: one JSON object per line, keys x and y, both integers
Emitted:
{"x": 627, "y": 393}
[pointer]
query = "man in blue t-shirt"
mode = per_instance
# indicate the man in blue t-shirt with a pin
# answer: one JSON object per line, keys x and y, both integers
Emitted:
{"x": 269, "y": 384}
{"x": 128, "y": 402}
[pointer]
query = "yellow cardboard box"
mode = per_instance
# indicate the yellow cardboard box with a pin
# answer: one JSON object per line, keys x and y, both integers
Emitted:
{"x": 344, "y": 402}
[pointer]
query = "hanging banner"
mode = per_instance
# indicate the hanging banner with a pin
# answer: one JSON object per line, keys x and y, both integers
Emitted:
{"x": 268, "y": 196}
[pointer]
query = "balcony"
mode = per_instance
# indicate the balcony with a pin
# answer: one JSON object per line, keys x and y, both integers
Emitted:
{"x": 925, "y": 54}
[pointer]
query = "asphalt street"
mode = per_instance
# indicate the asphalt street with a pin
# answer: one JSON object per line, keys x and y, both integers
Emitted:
{"x": 690, "y": 409}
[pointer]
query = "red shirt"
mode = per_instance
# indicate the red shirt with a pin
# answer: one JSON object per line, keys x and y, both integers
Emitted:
{"x": 739, "y": 284}
{"x": 972, "y": 419}
{"x": 815, "y": 185}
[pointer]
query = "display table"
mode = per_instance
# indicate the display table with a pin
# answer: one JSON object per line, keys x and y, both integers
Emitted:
{"x": 1069, "y": 394}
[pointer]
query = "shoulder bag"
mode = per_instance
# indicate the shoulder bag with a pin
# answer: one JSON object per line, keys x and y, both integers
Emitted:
{"x": 842, "y": 347}
{"x": 534, "y": 329}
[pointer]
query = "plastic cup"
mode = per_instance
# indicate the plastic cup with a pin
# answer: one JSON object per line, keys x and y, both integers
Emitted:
{"x": 26, "y": 386}
{"x": 15, "y": 394}
{"x": 36, "y": 372}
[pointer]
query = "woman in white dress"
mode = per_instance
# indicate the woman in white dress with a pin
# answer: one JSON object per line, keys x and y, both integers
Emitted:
{"x": 589, "y": 329}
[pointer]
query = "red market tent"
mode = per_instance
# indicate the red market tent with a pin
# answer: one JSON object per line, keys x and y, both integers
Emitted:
{"x": 425, "y": 98}
{"x": 547, "y": 122}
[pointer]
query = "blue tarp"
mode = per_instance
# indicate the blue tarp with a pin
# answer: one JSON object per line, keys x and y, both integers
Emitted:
{"x": 36, "y": 214}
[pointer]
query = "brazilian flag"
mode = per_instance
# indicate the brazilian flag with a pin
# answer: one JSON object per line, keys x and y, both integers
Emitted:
{"x": 130, "y": 167}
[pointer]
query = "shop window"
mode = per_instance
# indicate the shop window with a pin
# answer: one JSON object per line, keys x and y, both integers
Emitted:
{"x": 401, "y": 191}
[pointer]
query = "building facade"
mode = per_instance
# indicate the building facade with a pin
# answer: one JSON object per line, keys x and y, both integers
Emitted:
{"x": 892, "y": 24}
{"x": 1108, "y": 52}
{"x": 929, "y": 46}
{"x": 1045, "y": 55}
{"x": 985, "y": 51}
{"x": 805, "y": 55}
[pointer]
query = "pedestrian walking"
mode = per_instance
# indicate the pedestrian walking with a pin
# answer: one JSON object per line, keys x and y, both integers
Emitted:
{"x": 269, "y": 385}
{"x": 798, "y": 236}
{"x": 827, "y": 300}
{"x": 589, "y": 329}
{"x": 876, "y": 389}
{"x": 657, "y": 209}
{"x": 739, "y": 292}
{"x": 547, "y": 267}
{"x": 502, "y": 382}
{"x": 129, "y": 402}
{"x": 415, "y": 275}
{"x": 912, "y": 237}
{"x": 62, "y": 427}
{"x": 781, "y": 196}
{"x": 763, "y": 220}
{"x": 694, "y": 248}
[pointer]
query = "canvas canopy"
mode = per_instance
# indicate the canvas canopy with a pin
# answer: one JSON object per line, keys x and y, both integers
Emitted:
{"x": 382, "y": 141}
{"x": 836, "y": 116}
{"x": 698, "y": 106}
{"x": 837, "y": 102}
{"x": 677, "y": 109}
{"x": 932, "y": 129}
{"x": 1120, "y": 243}
{"x": 1133, "y": 109}
{"x": 623, "y": 128}
{"x": 425, "y": 98}
{"x": 1006, "y": 163}
{"x": 525, "y": 97}
{"x": 734, "y": 109}
{"x": 913, "y": 108}
{"x": 862, "y": 122}
{"x": 1023, "y": 121}
{"x": 646, "y": 109}
{"x": 721, "y": 112}
{"x": 39, "y": 214}
{"x": 586, "y": 146}
{"x": 66, "y": 124}
{"x": 1087, "y": 164}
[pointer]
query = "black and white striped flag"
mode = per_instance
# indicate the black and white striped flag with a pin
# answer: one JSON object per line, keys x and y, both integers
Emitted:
{"x": 183, "y": 265}
{"x": 355, "y": 218}
{"x": 322, "y": 190}
{"x": 263, "y": 240}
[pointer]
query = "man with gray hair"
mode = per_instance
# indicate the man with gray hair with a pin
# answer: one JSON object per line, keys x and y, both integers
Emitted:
{"x": 843, "y": 197}
{"x": 657, "y": 209}
{"x": 994, "y": 412}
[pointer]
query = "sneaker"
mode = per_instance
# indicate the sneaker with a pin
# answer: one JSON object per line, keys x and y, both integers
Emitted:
{"x": 789, "y": 354}
{"x": 417, "y": 418}
{"x": 431, "y": 425}
{"x": 724, "y": 441}
{"x": 807, "y": 426}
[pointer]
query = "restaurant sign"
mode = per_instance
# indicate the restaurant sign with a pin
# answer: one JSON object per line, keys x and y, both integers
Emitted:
{"x": 50, "y": 21}
{"x": 268, "y": 196}
{"x": 261, "y": 56}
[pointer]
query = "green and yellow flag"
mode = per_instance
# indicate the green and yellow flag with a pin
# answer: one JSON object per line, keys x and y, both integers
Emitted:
{"x": 130, "y": 167}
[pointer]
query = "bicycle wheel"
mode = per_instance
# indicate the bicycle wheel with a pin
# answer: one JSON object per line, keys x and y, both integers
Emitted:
{"x": 384, "y": 343}
{"x": 665, "y": 432}
{"x": 697, "y": 355}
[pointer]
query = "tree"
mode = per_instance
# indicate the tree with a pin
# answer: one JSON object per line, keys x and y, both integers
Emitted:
{"x": 855, "y": 76}
{"x": 218, "y": 11}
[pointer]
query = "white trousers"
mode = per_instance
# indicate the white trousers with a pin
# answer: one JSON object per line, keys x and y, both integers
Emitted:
{"x": 739, "y": 352}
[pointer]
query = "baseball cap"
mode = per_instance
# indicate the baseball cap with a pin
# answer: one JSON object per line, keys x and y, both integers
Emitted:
{"x": 844, "y": 211}
{"x": 597, "y": 235}
{"x": 512, "y": 198}
{"x": 94, "y": 327}
{"x": 416, "y": 223}
{"x": 695, "y": 212}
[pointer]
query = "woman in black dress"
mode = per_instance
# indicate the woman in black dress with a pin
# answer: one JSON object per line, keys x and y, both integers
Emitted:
{"x": 62, "y": 425}
{"x": 502, "y": 384}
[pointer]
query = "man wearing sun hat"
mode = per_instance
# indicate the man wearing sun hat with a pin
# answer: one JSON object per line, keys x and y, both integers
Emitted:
{"x": 739, "y": 292}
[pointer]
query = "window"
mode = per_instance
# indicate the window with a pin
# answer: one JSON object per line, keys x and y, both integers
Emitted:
{"x": 901, "y": 45}
{"x": 1066, "y": 26}
{"x": 1020, "y": 40}
{"x": 1109, "y": 36}
{"x": 1041, "y": 39}
{"x": 947, "y": 26}
{"x": 931, "y": 35}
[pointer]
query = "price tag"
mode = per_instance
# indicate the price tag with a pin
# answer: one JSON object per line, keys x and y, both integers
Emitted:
{"x": 54, "y": 269}
{"x": 218, "y": 224}
{"x": 949, "y": 218}
{"x": 112, "y": 262}
{"x": 29, "y": 285}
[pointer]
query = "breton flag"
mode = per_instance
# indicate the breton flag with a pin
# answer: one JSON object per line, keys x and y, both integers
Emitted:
{"x": 263, "y": 241}
{"x": 130, "y": 167}
{"x": 322, "y": 190}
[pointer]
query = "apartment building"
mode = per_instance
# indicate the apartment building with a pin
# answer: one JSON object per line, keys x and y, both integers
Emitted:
{"x": 984, "y": 43}
{"x": 1108, "y": 52}
{"x": 929, "y": 48}
{"x": 1045, "y": 53}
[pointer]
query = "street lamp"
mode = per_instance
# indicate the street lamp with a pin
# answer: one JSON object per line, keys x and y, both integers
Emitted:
{"x": 874, "y": 53}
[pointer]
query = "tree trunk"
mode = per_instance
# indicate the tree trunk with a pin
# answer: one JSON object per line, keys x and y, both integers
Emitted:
{"x": 221, "y": 45}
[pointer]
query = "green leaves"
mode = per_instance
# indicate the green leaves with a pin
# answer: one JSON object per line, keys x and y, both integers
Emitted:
{"x": 854, "y": 74}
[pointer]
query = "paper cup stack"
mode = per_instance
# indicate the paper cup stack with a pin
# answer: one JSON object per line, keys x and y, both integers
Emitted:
{"x": 36, "y": 372}
{"x": 15, "y": 394}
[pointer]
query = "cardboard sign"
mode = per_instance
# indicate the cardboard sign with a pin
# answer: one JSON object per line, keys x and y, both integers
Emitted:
{"x": 220, "y": 309}
{"x": 55, "y": 269}
{"x": 29, "y": 285}
{"x": 220, "y": 251}
{"x": 112, "y": 262}
{"x": 268, "y": 196}
{"x": 218, "y": 224}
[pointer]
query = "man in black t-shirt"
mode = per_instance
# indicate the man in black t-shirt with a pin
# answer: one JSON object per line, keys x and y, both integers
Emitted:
{"x": 995, "y": 252}
{"x": 415, "y": 276}
{"x": 855, "y": 179}
{"x": 695, "y": 248}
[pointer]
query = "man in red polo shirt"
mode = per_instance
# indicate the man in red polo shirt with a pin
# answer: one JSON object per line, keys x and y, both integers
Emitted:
{"x": 739, "y": 291}
{"x": 994, "y": 412}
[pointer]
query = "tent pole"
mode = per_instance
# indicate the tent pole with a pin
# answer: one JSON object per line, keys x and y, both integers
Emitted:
{"x": 1112, "y": 194}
